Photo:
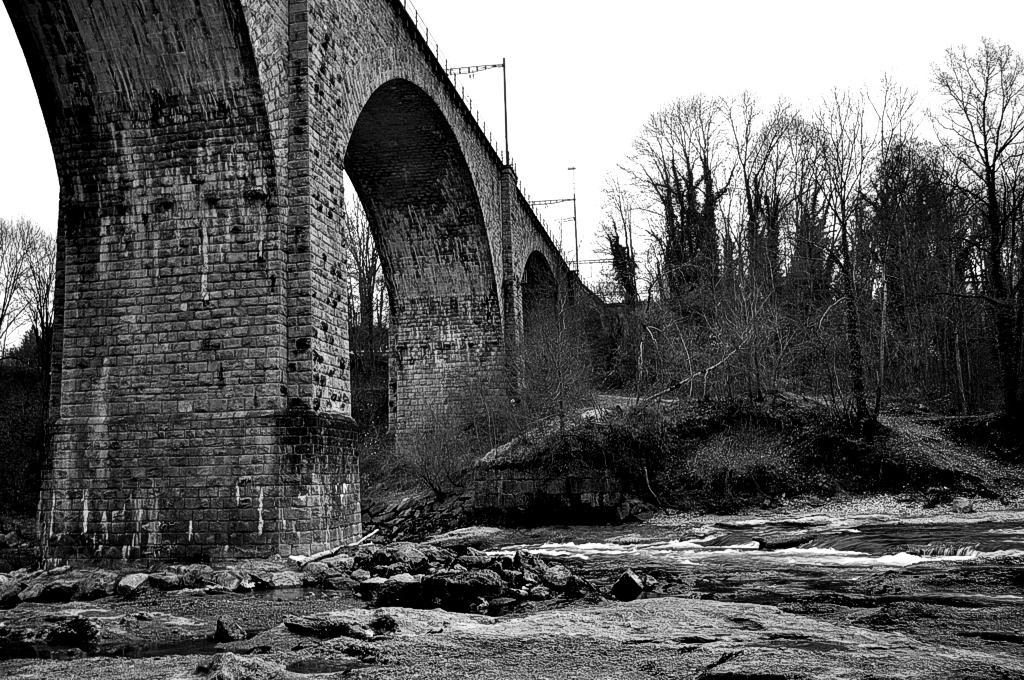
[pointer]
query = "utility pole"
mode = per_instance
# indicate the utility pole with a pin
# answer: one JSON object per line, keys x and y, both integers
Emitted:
{"x": 575, "y": 226}
{"x": 470, "y": 70}
{"x": 504, "y": 96}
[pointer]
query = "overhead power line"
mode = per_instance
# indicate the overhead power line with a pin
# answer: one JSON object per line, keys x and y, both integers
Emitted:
{"x": 470, "y": 70}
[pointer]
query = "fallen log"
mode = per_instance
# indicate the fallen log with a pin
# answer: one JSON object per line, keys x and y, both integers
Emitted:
{"x": 303, "y": 560}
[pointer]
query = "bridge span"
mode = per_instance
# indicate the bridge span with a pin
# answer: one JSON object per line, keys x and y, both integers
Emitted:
{"x": 200, "y": 385}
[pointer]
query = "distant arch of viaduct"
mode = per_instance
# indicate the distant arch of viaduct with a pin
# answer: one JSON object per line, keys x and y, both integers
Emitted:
{"x": 200, "y": 394}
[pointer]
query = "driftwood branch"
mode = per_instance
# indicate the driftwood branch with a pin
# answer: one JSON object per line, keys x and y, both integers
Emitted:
{"x": 330, "y": 552}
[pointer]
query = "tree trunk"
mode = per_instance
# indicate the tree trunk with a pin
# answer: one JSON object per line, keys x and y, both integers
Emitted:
{"x": 860, "y": 406}
{"x": 881, "y": 345}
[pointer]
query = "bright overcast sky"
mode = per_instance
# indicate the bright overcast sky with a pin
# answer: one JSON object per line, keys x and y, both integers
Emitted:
{"x": 583, "y": 76}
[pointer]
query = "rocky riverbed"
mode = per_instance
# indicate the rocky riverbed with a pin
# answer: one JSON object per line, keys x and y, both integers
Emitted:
{"x": 880, "y": 589}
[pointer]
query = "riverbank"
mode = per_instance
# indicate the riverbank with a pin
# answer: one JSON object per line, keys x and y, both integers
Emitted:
{"x": 860, "y": 595}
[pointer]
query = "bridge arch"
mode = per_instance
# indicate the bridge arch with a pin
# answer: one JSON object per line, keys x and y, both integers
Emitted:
{"x": 540, "y": 297}
{"x": 201, "y": 369}
{"x": 416, "y": 187}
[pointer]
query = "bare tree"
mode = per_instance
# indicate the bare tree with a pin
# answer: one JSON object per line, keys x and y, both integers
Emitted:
{"x": 981, "y": 126}
{"x": 847, "y": 149}
{"x": 893, "y": 108}
{"x": 37, "y": 293}
{"x": 678, "y": 164}
{"x": 365, "y": 266}
{"x": 368, "y": 328}
{"x": 617, "y": 230}
{"x": 762, "y": 160}
{"x": 16, "y": 243}
{"x": 809, "y": 276}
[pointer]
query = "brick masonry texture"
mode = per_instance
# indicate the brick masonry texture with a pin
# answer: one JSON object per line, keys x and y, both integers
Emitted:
{"x": 201, "y": 399}
{"x": 530, "y": 495}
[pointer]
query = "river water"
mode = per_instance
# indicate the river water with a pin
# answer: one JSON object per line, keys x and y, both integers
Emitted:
{"x": 834, "y": 558}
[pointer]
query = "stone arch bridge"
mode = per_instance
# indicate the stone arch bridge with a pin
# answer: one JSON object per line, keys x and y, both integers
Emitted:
{"x": 201, "y": 395}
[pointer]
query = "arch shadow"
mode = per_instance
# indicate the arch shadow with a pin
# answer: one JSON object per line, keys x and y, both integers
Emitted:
{"x": 415, "y": 185}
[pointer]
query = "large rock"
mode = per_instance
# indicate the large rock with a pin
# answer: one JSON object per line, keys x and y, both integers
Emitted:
{"x": 783, "y": 540}
{"x": 475, "y": 561}
{"x": 628, "y": 587}
{"x": 457, "y": 590}
{"x": 232, "y": 582}
{"x": 475, "y": 537}
{"x": 436, "y": 555}
{"x": 229, "y": 630}
{"x": 61, "y": 590}
{"x": 74, "y": 632}
{"x": 165, "y": 580}
{"x": 340, "y": 562}
{"x": 353, "y": 624}
{"x": 277, "y": 579}
{"x": 401, "y": 590}
{"x": 96, "y": 585}
{"x": 557, "y": 577}
{"x": 133, "y": 585}
{"x": 10, "y": 594}
{"x": 370, "y": 586}
{"x": 402, "y": 556}
{"x": 228, "y": 666}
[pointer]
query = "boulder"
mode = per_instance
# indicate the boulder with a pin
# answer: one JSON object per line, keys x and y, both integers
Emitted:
{"x": 315, "y": 572}
{"x": 10, "y": 594}
{"x": 403, "y": 555}
{"x": 436, "y": 555}
{"x": 340, "y": 563}
{"x": 401, "y": 590}
{"x": 132, "y": 585}
{"x": 556, "y": 576}
{"x": 277, "y": 579}
{"x": 228, "y": 630}
{"x": 783, "y": 540}
{"x": 165, "y": 580}
{"x": 74, "y": 632}
{"x": 628, "y": 587}
{"x": 228, "y": 666}
{"x": 578, "y": 587}
{"x": 360, "y": 575}
{"x": 353, "y": 624}
{"x": 370, "y": 586}
{"x": 31, "y": 593}
{"x": 539, "y": 593}
{"x": 96, "y": 585}
{"x": 475, "y": 561}
{"x": 340, "y": 582}
{"x": 61, "y": 590}
{"x": 457, "y": 590}
{"x": 476, "y": 537}
{"x": 233, "y": 581}
{"x": 525, "y": 560}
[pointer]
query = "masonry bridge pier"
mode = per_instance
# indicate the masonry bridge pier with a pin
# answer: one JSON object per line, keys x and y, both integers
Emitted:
{"x": 201, "y": 387}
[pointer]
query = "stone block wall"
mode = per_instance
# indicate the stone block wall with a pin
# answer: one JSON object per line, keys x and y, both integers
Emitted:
{"x": 529, "y": 495}
{"x": 201, "y": 383}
